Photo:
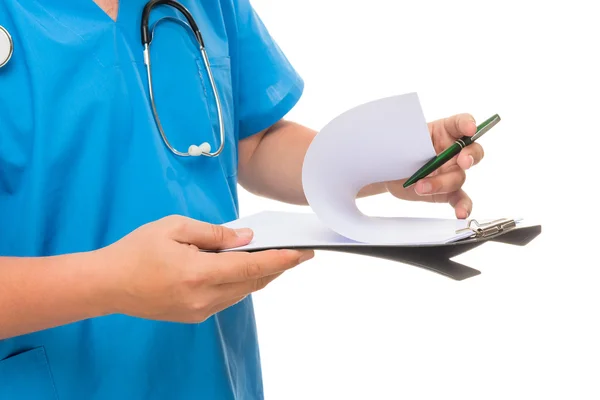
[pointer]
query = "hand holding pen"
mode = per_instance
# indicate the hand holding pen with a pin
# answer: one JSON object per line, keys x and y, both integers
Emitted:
{"x": 441, "y": 179}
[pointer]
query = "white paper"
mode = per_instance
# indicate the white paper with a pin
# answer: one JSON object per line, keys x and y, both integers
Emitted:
{"x": 383, "y": 140}
{"x": 287, "y": 229}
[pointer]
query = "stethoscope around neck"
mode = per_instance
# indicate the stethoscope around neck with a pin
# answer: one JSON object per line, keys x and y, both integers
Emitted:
{"x": 203, "y": 149}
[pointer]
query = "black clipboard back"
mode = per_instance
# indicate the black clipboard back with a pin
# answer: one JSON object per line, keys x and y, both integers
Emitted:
{"x": 437, "y": 258}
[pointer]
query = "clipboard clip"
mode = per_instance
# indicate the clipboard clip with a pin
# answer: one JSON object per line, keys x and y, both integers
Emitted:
{"x": 488, "y": 228}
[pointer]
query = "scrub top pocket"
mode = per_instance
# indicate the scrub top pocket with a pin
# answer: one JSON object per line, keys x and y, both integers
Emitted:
{"x": 27, "y": 376}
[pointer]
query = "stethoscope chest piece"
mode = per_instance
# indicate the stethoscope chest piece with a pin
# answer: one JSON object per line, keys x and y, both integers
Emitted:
{"x": 6, "y": 47}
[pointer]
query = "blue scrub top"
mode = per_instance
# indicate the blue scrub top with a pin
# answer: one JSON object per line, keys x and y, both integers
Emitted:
{"x": 82, "y": 164}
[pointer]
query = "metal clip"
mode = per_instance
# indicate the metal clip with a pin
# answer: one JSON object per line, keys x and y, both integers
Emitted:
{"x": 489, "y": 228}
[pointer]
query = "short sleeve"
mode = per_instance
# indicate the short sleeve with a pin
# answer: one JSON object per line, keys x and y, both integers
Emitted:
{"x": 268, "y": 85}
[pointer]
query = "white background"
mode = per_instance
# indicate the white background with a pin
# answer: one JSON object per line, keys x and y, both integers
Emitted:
{"x": 351, "y": 327}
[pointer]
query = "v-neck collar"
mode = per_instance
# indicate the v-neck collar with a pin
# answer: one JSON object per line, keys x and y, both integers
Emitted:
{"x": 119, "y": 7}
{"x": 124, "y": 11}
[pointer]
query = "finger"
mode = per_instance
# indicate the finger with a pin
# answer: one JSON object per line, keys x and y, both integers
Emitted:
{"x": 447, "y": 182}
{"x": 470, "y": 155}
{"x": 204, "y": 235}
{"x": 462, "y": 204}
{"x": 238, "y": 289}
{"x": 243, "y": 266}
{"x": 460, "y": 125}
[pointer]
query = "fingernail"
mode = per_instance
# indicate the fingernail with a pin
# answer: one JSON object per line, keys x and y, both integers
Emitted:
{"x": 306, "y": 256}
{"x": 245, "y": 233}
{"x": 425, "y": 187}
{"x": 472, "y": 161}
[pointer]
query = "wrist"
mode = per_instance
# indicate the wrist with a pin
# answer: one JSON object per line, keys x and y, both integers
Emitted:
{"x": 99, "y": 283}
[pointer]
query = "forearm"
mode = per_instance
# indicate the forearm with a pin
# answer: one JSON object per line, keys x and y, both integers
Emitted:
{"x": 271, "y": 163}
{"x": 45, "y": 292}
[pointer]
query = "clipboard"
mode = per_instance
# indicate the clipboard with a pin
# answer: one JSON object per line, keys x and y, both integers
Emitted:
{"x": 389, "y": 136}
{"x": 436, "y": 258}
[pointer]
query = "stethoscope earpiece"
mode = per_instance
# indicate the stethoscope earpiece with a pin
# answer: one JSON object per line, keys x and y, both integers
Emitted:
{"x": 6, "y": 47}
{"x": 194, "y": 150}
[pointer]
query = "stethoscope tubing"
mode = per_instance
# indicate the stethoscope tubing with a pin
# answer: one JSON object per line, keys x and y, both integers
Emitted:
{"x": 147, "y": 35}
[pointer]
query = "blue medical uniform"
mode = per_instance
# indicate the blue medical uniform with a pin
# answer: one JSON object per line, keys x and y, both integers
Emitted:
{"x": 82, "y": 164}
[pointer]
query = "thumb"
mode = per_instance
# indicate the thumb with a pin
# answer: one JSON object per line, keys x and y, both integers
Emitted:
{"x": 207, "y": 236}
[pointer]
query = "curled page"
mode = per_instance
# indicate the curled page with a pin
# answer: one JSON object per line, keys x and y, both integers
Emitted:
{"x": 383, "y": 140}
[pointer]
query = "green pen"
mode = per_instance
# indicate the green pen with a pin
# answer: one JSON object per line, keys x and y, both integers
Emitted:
{"x": 445, "y": 156}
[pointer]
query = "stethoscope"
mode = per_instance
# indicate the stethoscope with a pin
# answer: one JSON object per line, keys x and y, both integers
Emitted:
{"x": 6, "y": 51}
{"x": 147, "y": 34}
{"x": 6, "y": 47}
